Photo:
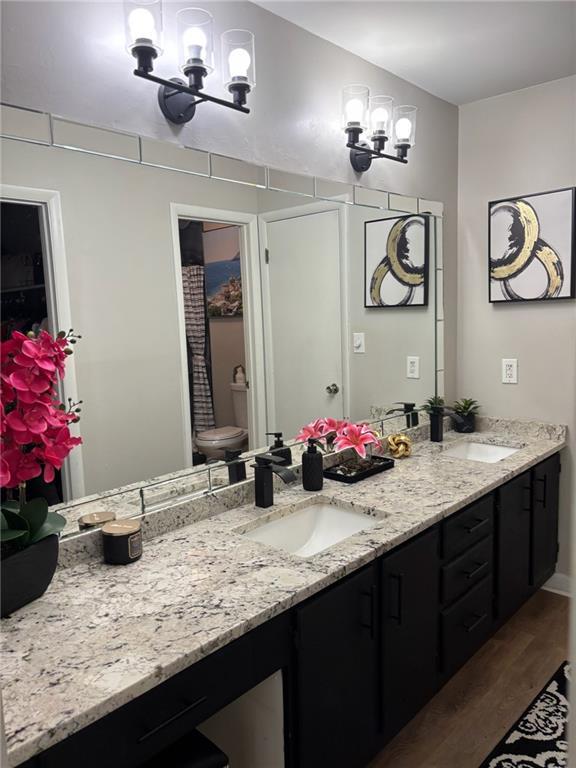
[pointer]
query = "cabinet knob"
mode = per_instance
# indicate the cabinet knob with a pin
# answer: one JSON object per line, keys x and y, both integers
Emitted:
{"x": 332, "y": 389}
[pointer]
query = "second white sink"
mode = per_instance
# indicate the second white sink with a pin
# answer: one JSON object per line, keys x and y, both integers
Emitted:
{"x": 489, "y": 454}
{"x": 312, "y": 529}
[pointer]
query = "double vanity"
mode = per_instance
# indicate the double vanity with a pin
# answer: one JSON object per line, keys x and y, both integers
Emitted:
{"x": 366, "y": 597}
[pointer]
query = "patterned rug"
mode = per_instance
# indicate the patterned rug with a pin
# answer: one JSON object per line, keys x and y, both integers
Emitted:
{"x": 539, "y": 738}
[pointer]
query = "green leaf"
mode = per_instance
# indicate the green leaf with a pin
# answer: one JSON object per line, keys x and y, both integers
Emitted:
{"x": 14, "y": 527}
{"x": 11, "y": 505}
{"x": 10, "y": 534}
{"x": 35, "y": 513}
{"x": 54, "y": 524}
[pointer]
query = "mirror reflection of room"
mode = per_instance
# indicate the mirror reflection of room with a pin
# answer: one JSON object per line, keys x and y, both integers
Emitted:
{"x": 213, "y": 313}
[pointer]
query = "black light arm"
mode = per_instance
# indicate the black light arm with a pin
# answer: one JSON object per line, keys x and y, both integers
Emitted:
{"x": 361, "y": 154}
{"x": 177, "y": 100}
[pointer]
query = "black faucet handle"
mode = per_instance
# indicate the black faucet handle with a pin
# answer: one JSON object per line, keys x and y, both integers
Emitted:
{"x": 268, "y": 460}
{"x": 232, "y": 454}
{"x": 407, "y": 406}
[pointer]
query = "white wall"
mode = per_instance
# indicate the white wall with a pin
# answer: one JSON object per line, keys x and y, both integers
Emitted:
{"x": 295, "y": 122}
{"x": 507, "y": 149}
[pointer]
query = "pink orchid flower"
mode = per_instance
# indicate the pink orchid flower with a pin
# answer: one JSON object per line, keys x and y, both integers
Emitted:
{"x": 331, "y": 426}
{"x": 312, "y": 430}
{"x": 356, "y": 436}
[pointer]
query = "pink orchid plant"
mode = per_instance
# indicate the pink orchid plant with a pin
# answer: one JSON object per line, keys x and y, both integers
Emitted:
{"x": 340, "y": 434}
{"x": 35, "y": 436}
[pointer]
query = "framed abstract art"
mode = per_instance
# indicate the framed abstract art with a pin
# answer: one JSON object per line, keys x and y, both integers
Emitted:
{"x": 532, "y": 247}
{"x": 396, "y": 256}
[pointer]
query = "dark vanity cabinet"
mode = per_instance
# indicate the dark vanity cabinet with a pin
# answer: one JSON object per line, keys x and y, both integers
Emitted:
{"x": 360, "y": 658}
{"x": 513, "y": 542}
{"x": 336, "y": 682}
{"x": 410, "y": 601}
{"x": 526, "y": 535}
{"x": 544, "y": 539}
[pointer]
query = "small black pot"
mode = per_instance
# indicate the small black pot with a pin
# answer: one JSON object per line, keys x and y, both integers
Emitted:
{"x": 467, "y": 425}
{"x": 27, "y": 574}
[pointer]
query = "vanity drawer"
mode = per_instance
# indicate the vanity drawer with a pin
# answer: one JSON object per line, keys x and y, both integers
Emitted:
{"x": 467, "y": 570}
{"x": 140, "y": 730}
{"x": 466, "y": 625}
{"x": 468, "y": 527}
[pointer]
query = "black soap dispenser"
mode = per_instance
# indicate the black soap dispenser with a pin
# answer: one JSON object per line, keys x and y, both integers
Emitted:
{"x": 312, "y": 468}
{"x": 279, "y": 449}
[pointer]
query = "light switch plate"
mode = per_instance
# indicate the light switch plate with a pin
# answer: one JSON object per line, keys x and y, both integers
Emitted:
{"x": 509, "y": 370}
{"x": 412, "y": 367}
{"x": 359, "y": 343}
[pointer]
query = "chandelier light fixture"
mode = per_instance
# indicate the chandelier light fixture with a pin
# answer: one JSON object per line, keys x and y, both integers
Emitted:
{"x": 379, "y": 116}
{"x": 179, "y": 98}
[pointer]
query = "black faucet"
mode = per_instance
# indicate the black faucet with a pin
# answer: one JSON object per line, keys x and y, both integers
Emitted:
{"x": 236, "y": 466}
{"x": 408, "y": 409}
{"x": 265, "y": 465}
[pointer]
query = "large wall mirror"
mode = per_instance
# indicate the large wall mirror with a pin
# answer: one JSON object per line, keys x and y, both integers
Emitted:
{"x": 211, "y": 312}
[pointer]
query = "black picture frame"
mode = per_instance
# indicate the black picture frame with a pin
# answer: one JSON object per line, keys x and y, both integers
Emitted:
{"x": 425, "y": 219}
{"x": 570, "y": 258}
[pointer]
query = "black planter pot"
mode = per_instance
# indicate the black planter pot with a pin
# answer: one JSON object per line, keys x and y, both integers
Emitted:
{"x": 465, "y": 424}
{"x": 27, "y": 574}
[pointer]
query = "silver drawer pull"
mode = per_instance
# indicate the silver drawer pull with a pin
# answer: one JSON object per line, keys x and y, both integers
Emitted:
{"x": 476, "y": 623}
{"x": 475, "y": 571}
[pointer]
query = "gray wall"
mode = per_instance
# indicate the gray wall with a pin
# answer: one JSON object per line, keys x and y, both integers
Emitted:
{"x": 542, "y": 336}
{"x": 295, "y": 122}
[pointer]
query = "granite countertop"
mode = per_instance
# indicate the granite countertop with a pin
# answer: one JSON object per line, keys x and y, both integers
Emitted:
{"x": 103, "y": 635}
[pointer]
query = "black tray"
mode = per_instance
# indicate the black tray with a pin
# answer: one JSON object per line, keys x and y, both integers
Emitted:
{"x": 380, "y": 464}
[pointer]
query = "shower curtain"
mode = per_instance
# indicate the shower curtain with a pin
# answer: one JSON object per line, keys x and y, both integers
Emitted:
{"x": 196, "y": 321}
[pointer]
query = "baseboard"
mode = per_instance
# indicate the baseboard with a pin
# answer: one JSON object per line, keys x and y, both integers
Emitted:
{"x": 559, "y": 583}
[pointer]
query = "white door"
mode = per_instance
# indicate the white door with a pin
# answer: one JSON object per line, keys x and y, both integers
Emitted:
{"x": 303, "y": 328}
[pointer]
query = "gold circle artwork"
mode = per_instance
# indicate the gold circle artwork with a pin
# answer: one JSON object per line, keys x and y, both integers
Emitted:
{"x": 525, "y": 247}
{"x": 399, "y": 445}
{"x": 397, "y": 262}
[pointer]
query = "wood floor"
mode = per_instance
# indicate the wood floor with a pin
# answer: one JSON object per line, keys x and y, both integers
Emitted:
{"x": 469, "y": 716}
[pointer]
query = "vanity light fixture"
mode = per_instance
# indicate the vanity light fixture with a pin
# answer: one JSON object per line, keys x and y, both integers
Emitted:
{"x": 194, "y": 29}
{"x": 378, "y": 114}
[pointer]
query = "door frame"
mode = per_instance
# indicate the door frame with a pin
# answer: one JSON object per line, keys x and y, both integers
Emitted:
{"x": 252, "y": 315}
{"x": 295, "y": 212}
{"x": 58, "y": 298}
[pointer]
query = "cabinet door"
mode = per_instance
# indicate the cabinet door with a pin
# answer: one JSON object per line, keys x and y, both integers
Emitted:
{"x": 337, "y": 675}
{"x": 410, "y": 603}
{"x": 545, "y": 481}
{"x": 513, "y": 545}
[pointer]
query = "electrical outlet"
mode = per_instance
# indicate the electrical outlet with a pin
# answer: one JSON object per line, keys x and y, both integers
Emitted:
{"x": 359, "y": 342}
{"x": 412, "y": 367}
{"x": 509, "y": 370}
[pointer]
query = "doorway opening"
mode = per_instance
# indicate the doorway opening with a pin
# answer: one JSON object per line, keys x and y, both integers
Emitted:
{"x": 210, "y": 260}
{"x": 25, "y": 295}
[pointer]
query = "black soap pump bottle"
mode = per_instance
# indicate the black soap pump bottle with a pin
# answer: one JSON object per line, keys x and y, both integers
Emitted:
{"x": 312, "y": 468}
{"x": 279, "y": 449}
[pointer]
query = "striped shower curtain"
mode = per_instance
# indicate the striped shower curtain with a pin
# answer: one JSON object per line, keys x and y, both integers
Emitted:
{"x": 195, "y": 318}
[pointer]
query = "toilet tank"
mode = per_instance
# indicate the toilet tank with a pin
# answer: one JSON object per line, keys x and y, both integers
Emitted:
{"x": 240, "y": 404}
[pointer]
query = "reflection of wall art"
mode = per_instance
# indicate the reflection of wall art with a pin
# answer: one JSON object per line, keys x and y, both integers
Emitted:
{"x": 224, "y": 288}
{"x": 532, "y": 247}
{"x": 396, "y": 262}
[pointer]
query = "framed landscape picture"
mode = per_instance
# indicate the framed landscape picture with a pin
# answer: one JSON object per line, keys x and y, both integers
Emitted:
{"x": 532, "y": 247}
{"x": 396, "y": 262}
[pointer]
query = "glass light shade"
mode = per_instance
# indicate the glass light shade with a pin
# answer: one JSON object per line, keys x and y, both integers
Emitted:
{"x": 238, "y": 63}
{"x": 381, "y": 111}
{"x": 355, "y": 106}
{"x": 405, "y": 125}
{"x": 143, "y": 24}
{"x": 194, "y": 30}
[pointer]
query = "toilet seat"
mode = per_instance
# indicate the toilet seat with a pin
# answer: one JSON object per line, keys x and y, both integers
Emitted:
{"x": 220, "y": 434}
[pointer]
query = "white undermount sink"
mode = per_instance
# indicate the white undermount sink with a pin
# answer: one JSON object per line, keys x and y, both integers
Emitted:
{"x": 489, "y": 454}
{"x": 312, "y": 529}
